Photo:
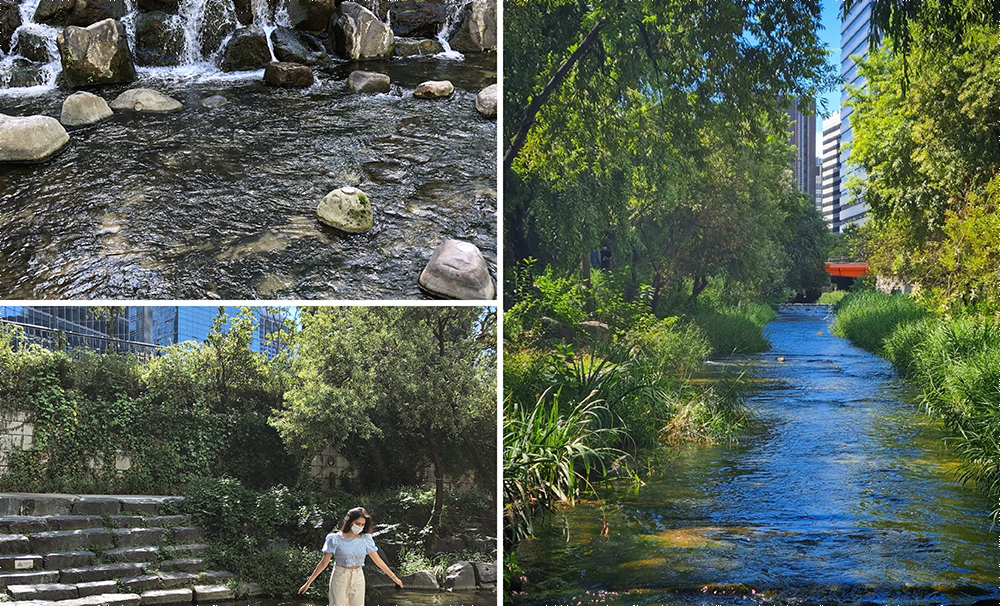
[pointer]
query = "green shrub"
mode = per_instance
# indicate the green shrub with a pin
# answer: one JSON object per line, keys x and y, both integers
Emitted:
{"x": 902, "y": 344}
{"x": 525, "y": 372}
{"x": 674, "y": 347}
{"x": 831, "y": 297}
{"x": 867, "y": 318}
{"x": 735, "y": 329}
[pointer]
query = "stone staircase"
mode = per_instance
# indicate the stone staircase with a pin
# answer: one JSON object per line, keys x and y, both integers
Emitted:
{"x": 67, "y": 550}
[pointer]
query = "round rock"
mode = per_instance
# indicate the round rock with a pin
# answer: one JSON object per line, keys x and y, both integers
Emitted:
{"x": 214, "y": 101}
{"x": 368, "y": 81}
{"x": 457, "y": 270}
{"x": 348, "y": 209}
{"x": 433, "y": 89}
{"x": 486, "y": 101}
{"x": 145, "y": 100}
{"x": 30, "y": 138}
{"x": 279, "y": 73}
{"x": 80, "y": 109}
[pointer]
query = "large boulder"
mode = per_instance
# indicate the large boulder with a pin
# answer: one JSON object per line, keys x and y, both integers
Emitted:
{"x": 434, "y": 89}
{"x": 409, "y": 47}
{"x": 347, "y": 209}
{"x": 247, "y": 50}
{"x": 419, "y": 18}
{"x": 368, "y": 81}
{"x": 98, "y": 54}
{"x": 421, "y": 580}
{"x": 287, "y": 74}
{"x": 457, "y": 270}
{"x": 33, "y": 46}
{"x": 145, "y": 100}
{"x": 80, "y": 109}
{"x": 10, "y": 20}
{"x": 486, "y": 573}
{"x": 486, "y": 101}
{"x": 30, "y": 138}
{"x": 477, "y": 30}
{"x": 159, "y": 39}
{"x": 460, "y": 576}
{"x": 298, "y": 47}
{"x": 356, "y": 33}
{"x": 219, "y": 23}
{"x": 311, "y": 15}
{"x": 78, "y": 12}
{"x": 151, "y": 6}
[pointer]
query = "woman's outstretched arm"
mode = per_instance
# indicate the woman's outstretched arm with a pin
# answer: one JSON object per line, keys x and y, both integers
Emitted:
{"x": 319, "y": 568}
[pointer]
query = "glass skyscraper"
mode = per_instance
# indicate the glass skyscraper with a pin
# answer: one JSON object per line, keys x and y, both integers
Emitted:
{"x": 853, "y": 42}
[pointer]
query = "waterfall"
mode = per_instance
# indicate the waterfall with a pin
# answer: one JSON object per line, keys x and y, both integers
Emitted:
{"x": 446, "y": 31}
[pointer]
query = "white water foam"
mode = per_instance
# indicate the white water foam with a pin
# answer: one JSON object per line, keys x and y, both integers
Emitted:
{"x": 445, "y": 34}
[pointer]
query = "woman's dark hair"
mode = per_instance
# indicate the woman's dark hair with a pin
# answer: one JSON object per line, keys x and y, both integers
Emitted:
{"x": 354, "y": 514}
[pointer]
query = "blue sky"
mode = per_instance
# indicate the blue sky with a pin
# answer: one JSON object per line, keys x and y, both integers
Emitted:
{"x": 830, "y": 36}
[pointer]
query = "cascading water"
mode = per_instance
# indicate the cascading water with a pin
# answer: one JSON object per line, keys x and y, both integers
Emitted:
{"x": 447, "y": 29}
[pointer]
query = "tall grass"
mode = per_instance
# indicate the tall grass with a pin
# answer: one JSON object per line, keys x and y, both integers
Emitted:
{"x": 735, "y": 328}
{"x": 867, "y": 318}
{"x": 831, "y": 297}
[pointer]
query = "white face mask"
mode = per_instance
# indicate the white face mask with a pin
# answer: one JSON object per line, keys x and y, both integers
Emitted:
{"x": 357, "y": 529}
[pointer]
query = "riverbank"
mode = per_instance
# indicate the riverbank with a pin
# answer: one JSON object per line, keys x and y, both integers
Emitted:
{"x": 954, "y": 361}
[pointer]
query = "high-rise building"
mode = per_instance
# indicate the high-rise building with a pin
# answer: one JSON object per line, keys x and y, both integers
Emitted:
{"x": 803, "y": 126}
{"x": 59, "y": 327}
{"x": 167, "y": 325}
{"x": 853, "y": 42}
{"x": 828, "y": 197}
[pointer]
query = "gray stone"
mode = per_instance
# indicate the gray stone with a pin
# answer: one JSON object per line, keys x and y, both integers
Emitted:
{"x": 105, "y": 599}
{"x": 28, "y": 578}
{"x": 477, "y": 30}
{"x": 145, "y": 100}
{"x": 423, "y": 580}
{"x": 11, "y": 543}
{"x": 219, "y": 23}
{"x": 169, "y": 580}
{"x": 24, "y": 73}
{"x": 596, "y": 332}
{"x": 215, "y": 576}
{"x": 183, "y": 565}
{"x": 28, "y": 139}
{"x": 486, "y": 101}
{"x": 486, "y": 573}
{"x": 138, "y": 537}
{"x": 376, "y": 579}
{"x": 69, "y": 559}
{"x": 77, "y": 107}
{"x": 70, "y": 540}
{"x": 98, "y": 54}
{"x": 187, "y": 550}
{"x": 434, "y": 89}
{"x": 130, "y": 554}
{"x": 310, "y": 15}
{"x": 288, "y": 74}
{"x": 247, "y": 50}
{"x": 43, "y": 591}
{"x": 368, "y": 81}
{"x": 419, "y": 18}
{"x": 141, "y": 583}
{"x": 207, "y": 593}
{"x": 149, "y": 507}
{"x": 460, "y": 576}
{"x": 457, "y": 270}
{"x": 96, "y": 588}
{"x": 150, "y": 6}
{"x": 166, "y": 596}
{"x": 99, "y": 573}
{"x": 30, "y": 561}
{"x": 214, "y": 101}
{"x": 32, "y": 46}
{"x": 10, "y": 20}
{"x": 159, "y": 39}
{"x": 23, "y": 524}
{"x": 80, "y": 109}
{"x": 347, "y": 209}
{"x": 78, "y": 12}
{"x": 172, "y": 521}
{"x": 293, "y": 46}
{"x": 128, "y": 522}
{"x": 46, "y": 505}
{"x": 410, "y": 47}
{"x": 10, "y": 505}
{"x": 250, "y": 589}
{"x": 357, "y": 34}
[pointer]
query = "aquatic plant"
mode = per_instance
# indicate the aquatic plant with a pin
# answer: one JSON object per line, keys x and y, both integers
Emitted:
{"x": 735, "y": 328}
{"x": 867, "y": 318}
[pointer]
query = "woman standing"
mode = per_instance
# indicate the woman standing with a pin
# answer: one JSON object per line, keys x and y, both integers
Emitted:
{"x": 348, "y": 548}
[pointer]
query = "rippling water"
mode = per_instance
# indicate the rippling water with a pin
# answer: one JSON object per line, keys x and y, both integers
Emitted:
{"x": 847, "y": 497}
{"x": 220, "y": 202}
{"x": 392, "y": 597}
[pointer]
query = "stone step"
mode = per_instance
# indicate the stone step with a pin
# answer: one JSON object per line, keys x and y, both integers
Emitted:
{"x": 28, "y": 578}
{"x": 21, "y": 562}
{"x": 74, "y": 522}
{"x": 186, "y": 551}
{"x": 96, "y": 588}
{"x": 168, "y": 521}
{"x": 217, "y": 576}
{"x": 69, "y": 559}
{"x": 104, "y": 599}
{"x": 24, "y": 524}
{"x": 43, "y": 591}
{"x": 102, "y": 572}
{"x": 126, "y": 521}
{"x": 166, "y": 596}
{"x": 183, "y": 565}
{"x": 163, "y": 580}
{"x": 130, "y": 554}
{"x": 14, "y": 543}
{"x": 138, "y": 537}
{"x": 187, "y": 534}
{"x": 18, "y": 503}
{"x": 210, "y": 593}
{"x": 70, "y": 540}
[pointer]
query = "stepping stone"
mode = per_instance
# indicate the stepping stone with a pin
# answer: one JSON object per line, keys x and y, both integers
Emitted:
{"x": 75, "y": 522}
{"x": 128, "y": 522}
{"x": 207, "y": 593}
{"x": 166, "y": 596}
{"x": 348, "y": 209}
{"x": 457, "y": 270}
{"x": 96, "y": 506}
{"x": 434, "y": 89}
{"x": 28, "y": 578}
{"x": 368, "y": 81}
{"x": 167, "y": 521}
{"x": 193, "y": 549}
{"x": 14, "y": 543}
{"x": 169, "y": 580}
{"x": 43, "y": 591}
{"x": 188, "y": 534}
{"x": 23, "y": 524}
{"x": 96, "y": 588}
{"x": 30, "y": 138}
{"x": 138, "y": 537}
{"x": 183, "y": 565}
{"x": 83, "y": 108}
{"x": 69, "y": 559}
{"x": 144, "y": 100}
{"x": 70, "y": 540}
{"x": 22, "y": 562}
{"x": 486, "y": 101}
{"x": 130, "y": 554}
{"x": 100, "y": 573}
{"x": 142, "y": 583}
{"x": 288, "y": 74}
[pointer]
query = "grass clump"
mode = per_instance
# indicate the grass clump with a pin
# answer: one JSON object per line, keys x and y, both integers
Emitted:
{"x": 867, "y": 318}
{"x": 831, "y": 297}
{"x": 734, "y": 329}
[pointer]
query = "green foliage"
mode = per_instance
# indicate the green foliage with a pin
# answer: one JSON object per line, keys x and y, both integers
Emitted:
{"x": 413, "y": 560}
{"x": 867, "y": 318}
{"x": 735, "y": 329}
{"x": 831, "y": 297}
{"x": 674, "y": 347}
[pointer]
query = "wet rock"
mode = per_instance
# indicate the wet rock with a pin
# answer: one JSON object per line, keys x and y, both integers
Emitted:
{"x": 298, "y": 47}
{"x": 477, "y": 30}
{"x": 214, "y": 101}
{"x": 311, "y": 15}
{"x": 159, "y": 39}
{"x": 368, "y": 81}
{"x": 419, "y": 18}
{"x": 486, "y": 101}
{"x": 356, "y": 33}
{"x": 98, "y": 54}
{"x": 411, "y": 47}
{"x": 422, "y": 580}
{"x": 32, "y": 46}
{"x": 84, "y": 108}
{"x": 78, "y": 12}
{"x": 10, "y": 20}
{"x": 247, "y": 50}
{"x": 347, "y": 209}
{"x": 486, "y": 573}
{"x": 377, "y": 579}
{"x": 434, "y": 89}
{"x": 287, "y": 74}
{"x": 244, "y": 12}
{"x": 24, "y": 73}
{"x": 457, "y": 270}
{"x": 150, "y": 6}
{"x": 145, "y": 100}
{"x": 460, "y": 576}
{"x": 219, "y": 23}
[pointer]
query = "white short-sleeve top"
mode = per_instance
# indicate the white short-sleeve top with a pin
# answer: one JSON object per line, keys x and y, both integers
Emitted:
{"x": 349, "y": 551}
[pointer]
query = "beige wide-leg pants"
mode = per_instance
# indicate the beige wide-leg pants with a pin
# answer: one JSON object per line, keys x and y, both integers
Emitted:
{"x": 347, "y": 586}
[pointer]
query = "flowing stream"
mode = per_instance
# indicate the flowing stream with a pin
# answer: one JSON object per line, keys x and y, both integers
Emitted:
{"x": 847, "y": 496}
